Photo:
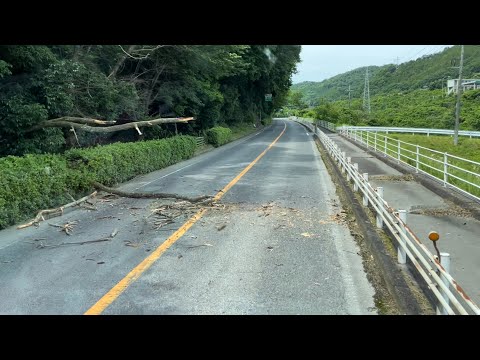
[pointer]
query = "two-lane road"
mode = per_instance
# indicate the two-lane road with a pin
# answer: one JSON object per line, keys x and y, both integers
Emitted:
{"x": 274, "y": 246}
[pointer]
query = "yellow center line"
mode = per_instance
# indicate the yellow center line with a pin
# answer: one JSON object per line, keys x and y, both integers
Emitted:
{"x": 138, "y": 270}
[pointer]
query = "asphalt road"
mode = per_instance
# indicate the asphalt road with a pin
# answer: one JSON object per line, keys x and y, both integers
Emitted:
{"x": 274, "y": 244}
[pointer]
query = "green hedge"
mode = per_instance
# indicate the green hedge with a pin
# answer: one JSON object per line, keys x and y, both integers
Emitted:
{"x": 34, "y": 182}
{"x": 218, "y": 135}
{"x": 120, "y": 162}
{"x": 29, "y": 184}
{"x": 266, "y": 121}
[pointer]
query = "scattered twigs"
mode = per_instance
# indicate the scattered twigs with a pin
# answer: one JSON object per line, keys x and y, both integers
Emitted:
{"x": 68, "y": 227}
{"x": 41, "y": 245}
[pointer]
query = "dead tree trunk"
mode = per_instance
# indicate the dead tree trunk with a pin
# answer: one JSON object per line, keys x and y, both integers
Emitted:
{"x": 83, "y": 124}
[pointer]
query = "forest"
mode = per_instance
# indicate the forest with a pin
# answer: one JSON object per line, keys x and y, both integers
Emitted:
{"x": 75, "y": 118}
{"x": 46, "y": 88}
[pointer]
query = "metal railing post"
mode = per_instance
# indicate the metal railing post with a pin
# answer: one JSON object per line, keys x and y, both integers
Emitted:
{"x": 355, "y": 185}
{"x": 401, "y": 253}
{"x": 367, "y": 139}
{"x": 398, "y": 152}
{"x": 445, "y": 261}
{"x": 417, "y": 165}
{"x": 445, "y": 169}
{"x": 365, "y": 197}
{"x": 385, "y": 138}
{"x": 375, "y": 141}
{"x": 380, "y": 197}
{"x": 349, "y": 160}
{"x": 344, "y": 155}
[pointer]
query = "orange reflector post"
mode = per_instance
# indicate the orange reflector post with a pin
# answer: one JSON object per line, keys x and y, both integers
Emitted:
{"x": 433, "y": 235}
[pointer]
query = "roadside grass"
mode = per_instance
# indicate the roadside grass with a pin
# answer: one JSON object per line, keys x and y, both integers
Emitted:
{"x": 432, "y": 153}
{"x": 239, "y": 131}
{"x": 467, "y": 148}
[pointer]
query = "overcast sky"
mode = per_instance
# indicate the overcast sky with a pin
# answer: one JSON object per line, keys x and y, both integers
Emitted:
{"x": 321, "y": 62}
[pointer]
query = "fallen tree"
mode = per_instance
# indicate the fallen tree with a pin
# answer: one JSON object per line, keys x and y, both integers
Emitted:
{"x": 85, "y": 124}
{"x": 199, "y": 199}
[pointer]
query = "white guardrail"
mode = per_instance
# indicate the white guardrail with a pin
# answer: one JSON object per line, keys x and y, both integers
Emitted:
{"x": 452, "y": 171}
{"x": 325, "y": 124}
{"x": 452, "y": 300}
{"x": 412, "y": 130}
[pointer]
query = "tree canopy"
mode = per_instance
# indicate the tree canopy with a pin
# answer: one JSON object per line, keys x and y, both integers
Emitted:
{"x": 216, "y": 84}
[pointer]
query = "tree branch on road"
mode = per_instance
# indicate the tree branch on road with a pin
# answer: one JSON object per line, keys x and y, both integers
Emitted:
{"x": 55, "y": 212}
{"x": 200, "y": 199}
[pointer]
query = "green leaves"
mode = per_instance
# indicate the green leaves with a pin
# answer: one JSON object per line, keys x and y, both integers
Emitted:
{"x": 218, "y": 136}
{"x": 34, "y": 182}
{"x": 30, "y": 183}
{"x": 215, "y": 83}
{"x": 4, "y": 68}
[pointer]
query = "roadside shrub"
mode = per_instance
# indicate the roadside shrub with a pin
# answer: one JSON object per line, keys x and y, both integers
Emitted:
{"x": 218, "y": 136}
{"x": 266, "y": 121}
{"x": 120, "y": 162}
{"x": 29, "y": 184}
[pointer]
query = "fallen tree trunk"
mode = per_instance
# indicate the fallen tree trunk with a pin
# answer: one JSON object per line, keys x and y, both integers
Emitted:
{"x": 57, "y": 211}
{"x": 110, "y": 190}
{"x": 82, "y": 124}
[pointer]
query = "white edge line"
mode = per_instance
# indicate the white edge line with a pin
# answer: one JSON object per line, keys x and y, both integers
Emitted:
{"x": 173, "y": 172}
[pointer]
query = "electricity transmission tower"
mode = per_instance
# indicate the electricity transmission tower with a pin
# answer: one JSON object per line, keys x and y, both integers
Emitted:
{"x": 366, "y": 94}
{"x": 349, "y": 96}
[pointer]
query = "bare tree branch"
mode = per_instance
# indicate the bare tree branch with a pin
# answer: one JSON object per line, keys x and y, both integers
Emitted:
{"x": 55, "y": 212}
{"x": 121, "y": 61}
{"x": 83, "y": 120}
{"x": 150, "y": 195}
{"x": 140, "y": 57}
{"x": 61, "y": 122}
{"x": 151, "y": 49}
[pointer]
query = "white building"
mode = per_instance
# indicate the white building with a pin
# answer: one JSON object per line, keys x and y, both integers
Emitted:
{"x": 467, "y": 84}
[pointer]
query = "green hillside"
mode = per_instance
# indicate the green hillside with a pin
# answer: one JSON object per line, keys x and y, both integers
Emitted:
{"x": 428, "y": 72}
{"x": 409, "y": 95}
{"x": 334, "y": 88}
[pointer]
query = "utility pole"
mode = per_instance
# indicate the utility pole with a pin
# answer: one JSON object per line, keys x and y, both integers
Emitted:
{"x": 459, "y": 95}
{"x": 349, "y": 97}
{"x": 397, "y": 59}
{"x": 366, "y": 93}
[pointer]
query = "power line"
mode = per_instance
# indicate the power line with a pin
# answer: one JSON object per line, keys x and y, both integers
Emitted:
{"x": 409, "y": 57}
{"x": 432, "y": 49}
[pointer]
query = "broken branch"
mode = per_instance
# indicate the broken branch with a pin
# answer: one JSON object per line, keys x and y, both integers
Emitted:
{"x": 99, "y": 186}
{"x": 81, "y": 123}
{"x": 57, "y": 211}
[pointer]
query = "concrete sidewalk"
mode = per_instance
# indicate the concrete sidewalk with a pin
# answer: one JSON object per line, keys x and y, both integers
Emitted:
{"x": 427, "y": 211}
